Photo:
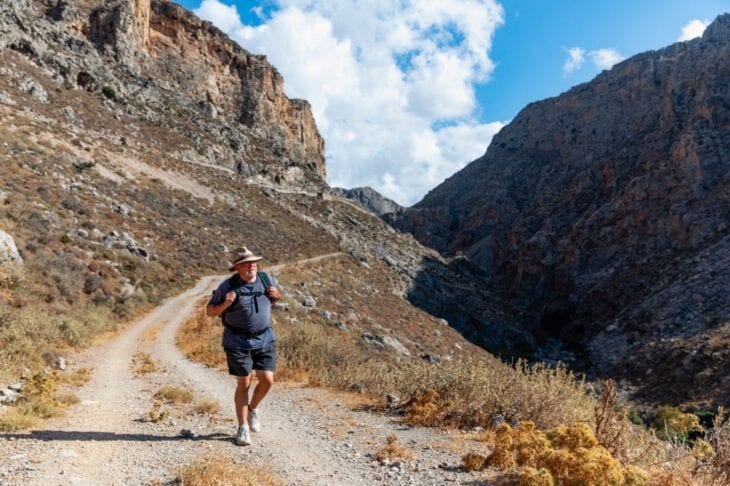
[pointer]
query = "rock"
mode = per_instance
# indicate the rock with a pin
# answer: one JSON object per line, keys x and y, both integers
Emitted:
{"x": 391, "y": 400}
{"x": 35, "y": 89}
{"x": 8, "y": 251}
{"x": 309, "y": 302}
{"x": 393, "y": 343}
{"x": 126, "y": 292}
{"x": 69, "y": 113}
{"x": 16, "y": 387}
{"x": 121, "y": 208}
{"x": 186, "y": 433}
{"x": 9, "y": 396}
{"x": 25, "y": 373}
{"x": 81, "y": 233}
{"x": 6, "y": 99}
{"x": 341, "y": 326}
{"x": 60, "y": 363}
{"x": 356, "y": 387}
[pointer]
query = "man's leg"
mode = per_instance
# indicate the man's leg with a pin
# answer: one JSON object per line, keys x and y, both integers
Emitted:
{"x": 240, "y": 398}
{"x": 265, "y": 381}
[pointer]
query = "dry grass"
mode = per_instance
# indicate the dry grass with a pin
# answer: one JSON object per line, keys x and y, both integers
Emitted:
{"x": 78, "y": 377}
{"x": 394, "y": 451}
{"x": 174, "y": 394}
{"x": 157, "y": 413}
{"x": 207, "y": 407}
{"x": 473, "y": 461}
{"x": 143, "y": 364}
{"x": 17, "y": 419}
{"x": 224, "y": 471}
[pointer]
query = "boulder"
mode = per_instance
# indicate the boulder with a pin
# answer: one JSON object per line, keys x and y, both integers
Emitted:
{"x": 8, "y": 251}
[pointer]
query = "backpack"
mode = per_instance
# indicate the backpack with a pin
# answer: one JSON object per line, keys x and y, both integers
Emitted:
{"x": 236, "y": 285}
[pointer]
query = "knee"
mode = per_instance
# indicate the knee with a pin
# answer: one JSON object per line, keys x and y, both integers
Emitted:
{"x": 266, "y": 378}
{"x": 244, "y": 383}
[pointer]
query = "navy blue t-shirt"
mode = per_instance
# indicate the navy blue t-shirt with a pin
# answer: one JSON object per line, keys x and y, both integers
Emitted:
{"x": 256, "y": 316}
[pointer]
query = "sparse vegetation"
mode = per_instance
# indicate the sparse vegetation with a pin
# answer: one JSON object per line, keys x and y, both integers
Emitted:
{"x": 394, "y": 451}
{"x": 207, "y": 407}
{"x": 143, "y": 364}
{"x": 174, "y": 394}
{"x": 157, "y": 413}
{"x": 217, "y": 471}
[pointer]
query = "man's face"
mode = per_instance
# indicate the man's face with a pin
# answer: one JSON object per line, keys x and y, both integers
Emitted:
{"x": 247, "y": 270}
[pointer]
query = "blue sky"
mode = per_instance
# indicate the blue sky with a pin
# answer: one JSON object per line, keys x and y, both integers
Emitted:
{"x": 406, "y": 93}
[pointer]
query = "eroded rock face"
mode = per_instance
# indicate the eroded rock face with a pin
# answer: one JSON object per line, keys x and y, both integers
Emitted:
{"x": 606, "y": 207}
{"x": 155, "y": 58}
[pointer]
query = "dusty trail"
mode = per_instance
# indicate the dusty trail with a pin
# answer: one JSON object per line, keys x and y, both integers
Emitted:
{"x": 308, "y": 437}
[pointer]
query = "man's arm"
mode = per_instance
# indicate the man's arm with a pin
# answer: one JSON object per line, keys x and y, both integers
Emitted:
{"x": 216, "y": 310}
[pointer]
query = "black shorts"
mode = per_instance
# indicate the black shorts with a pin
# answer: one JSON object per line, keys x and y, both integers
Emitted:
{"x": 241, "y": 362}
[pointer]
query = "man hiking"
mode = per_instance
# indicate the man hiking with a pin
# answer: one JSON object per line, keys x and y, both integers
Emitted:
{"x": 243, "y": 302}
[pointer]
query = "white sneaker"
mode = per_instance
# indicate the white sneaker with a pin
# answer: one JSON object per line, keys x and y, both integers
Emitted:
{"x": 254, "y": 420}
{"x": 242, "y": 436}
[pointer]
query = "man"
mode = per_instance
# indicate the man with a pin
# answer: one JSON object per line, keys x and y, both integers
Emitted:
{"x": 244, "y": 304}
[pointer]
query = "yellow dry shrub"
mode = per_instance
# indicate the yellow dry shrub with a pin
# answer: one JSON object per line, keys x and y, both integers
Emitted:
{"x": 473, "y": 461}
{"x": 634, "y": 476}
{"x": 529, "y": 476}
{"x": 427, "y": 409}
{"x": 569, "y": 455}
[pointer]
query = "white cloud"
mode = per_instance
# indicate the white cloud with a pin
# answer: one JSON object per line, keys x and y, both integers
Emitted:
{"x": 605, "y": 58}
{"x": 693, "y": 28}
{"x": 576, "y": 57}
{"x": 391, "y": 83}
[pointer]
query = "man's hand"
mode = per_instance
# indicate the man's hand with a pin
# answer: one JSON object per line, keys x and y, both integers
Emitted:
{"x": 273, "y": 293}
{"x": 230, "y": 297}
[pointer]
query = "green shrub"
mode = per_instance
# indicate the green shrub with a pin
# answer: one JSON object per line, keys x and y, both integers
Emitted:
{"x": 109, "y": 92}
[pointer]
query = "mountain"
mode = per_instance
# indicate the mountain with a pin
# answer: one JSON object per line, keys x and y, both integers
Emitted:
{"x": 370, "y": 199}
{"x": 605, "y": 214}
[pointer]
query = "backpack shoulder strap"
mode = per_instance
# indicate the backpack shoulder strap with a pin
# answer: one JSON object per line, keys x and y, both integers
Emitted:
{"x": 264, "y": 279}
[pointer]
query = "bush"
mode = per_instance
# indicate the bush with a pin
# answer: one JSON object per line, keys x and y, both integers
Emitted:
{"x": 109, "y": 92}
{"x": 216, "y": 470}
{"x": 673, "y": 424}
{"x": 567, "y": 454}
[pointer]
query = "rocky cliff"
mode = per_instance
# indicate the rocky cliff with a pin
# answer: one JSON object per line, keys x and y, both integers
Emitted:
{"x": 605, "y": 213}
{"x": 370, "y": 199}
{"x": 155, "y": 59}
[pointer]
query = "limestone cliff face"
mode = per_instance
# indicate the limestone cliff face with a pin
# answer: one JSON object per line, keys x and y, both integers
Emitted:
{"x": 606, "y": 211}
{"x": 154, "y": 52}
{"x": 239, "y": 85}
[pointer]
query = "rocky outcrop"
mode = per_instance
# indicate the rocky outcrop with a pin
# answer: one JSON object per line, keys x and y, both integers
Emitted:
{"x": 604, "y": 212}
{"x": 370, "y": 199}
{"x": 155, "y": 59}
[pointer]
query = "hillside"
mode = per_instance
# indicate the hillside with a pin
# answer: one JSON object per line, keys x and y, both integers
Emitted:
{"x": 603, "y": 213}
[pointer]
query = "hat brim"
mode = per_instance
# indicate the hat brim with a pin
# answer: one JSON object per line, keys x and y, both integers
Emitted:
{"x": 244, "y": 260}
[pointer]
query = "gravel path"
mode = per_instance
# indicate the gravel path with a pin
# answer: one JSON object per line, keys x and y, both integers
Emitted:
{"x": 309, "y": 436}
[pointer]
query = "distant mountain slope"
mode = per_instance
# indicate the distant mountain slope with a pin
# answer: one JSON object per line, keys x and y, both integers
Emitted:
{"x": 606, "y": 212}
{"x": 370, "y": 199}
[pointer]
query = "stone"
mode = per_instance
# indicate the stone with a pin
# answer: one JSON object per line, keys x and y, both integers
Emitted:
{"x": 35, "y": 89}
{"x": 309, "y": 302}
{"x": 60, "y": 363}
{"x": 6, "y": 99}
{"x": 127, "y": 291}
{"x": 8, "y": 251}
{"x": 121, "y": 208}
{"x": 394, "y": 344}
{"x": 186, "y": 433}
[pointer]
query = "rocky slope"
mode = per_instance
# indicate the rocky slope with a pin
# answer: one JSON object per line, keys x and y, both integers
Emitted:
{"x": 370, "y": 199}
{"x": 605, "y": 212}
